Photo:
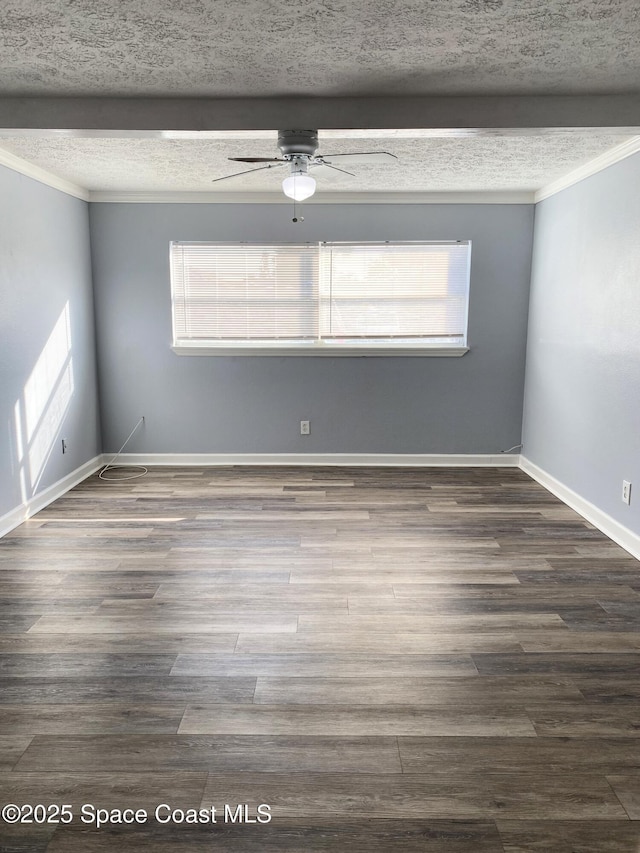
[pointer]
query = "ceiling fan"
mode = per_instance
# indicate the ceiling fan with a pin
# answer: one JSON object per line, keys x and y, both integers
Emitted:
{"x": 299, "y": 152}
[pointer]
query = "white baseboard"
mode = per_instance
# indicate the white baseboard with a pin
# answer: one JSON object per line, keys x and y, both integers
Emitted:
{"x": 620, "y": 534}
{"x": 608, "y": 525}
{"x": 446, "y": 460}
{"x": 21, "y": 513}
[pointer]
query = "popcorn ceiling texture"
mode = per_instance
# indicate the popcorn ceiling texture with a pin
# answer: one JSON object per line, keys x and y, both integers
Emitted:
{"x": 318, "y": 47}
{"x": 471, "y": 163}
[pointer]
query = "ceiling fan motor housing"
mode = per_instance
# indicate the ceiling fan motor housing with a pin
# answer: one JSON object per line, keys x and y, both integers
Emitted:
{"x": 292, "y": 142}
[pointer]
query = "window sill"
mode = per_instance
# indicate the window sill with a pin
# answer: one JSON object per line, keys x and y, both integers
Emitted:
{"x": 324, "y": 351}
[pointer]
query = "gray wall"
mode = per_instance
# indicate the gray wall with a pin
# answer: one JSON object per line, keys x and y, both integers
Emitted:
{"x": 254, "y": 404}
{"x": 582, "y": 399}
{"x": 47, "y": 347}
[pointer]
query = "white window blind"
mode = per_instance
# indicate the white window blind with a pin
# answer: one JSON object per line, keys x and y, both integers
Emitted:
{"x": 244, "y": 293}
{"x": 395, "y": 291}
{"x": 312, "y": 297}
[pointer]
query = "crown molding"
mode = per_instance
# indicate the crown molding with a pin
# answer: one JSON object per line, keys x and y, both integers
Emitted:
{"x": 482, "y": 197}
{"x": 17, "y": 164}
{"x": 603, "y": 161}
{"x": 609, "y": 158}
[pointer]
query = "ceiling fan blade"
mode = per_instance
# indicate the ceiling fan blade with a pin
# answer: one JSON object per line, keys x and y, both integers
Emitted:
{"x": 326, "y": 170}
{"x": 257, "y": 159}
{"x": 247, "y": 172}
{"x": 363, "y": 157}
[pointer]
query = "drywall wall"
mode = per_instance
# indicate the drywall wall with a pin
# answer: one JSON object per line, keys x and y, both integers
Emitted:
{"x": 582, "y": 399}
{"x": 47, "y": 346}
{"x": 235, "y": 404}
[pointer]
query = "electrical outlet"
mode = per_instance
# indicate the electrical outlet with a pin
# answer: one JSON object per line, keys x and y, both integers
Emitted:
{"x": 305, "y": 427}
{"x": 626, "y": 492}
{"x": 64, "y": 445}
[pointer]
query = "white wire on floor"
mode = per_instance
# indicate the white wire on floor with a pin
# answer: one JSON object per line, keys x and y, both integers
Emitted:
{"x": 111, "y": 467}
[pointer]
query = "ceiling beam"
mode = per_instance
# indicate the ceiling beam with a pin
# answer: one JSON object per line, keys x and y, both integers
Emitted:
{"x": 454, "y": 115}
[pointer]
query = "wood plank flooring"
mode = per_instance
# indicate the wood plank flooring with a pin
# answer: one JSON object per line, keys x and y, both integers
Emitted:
{"x": 434, "y": 660}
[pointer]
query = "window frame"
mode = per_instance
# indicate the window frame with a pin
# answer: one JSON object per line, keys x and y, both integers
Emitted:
{"x": 322, "y": 347}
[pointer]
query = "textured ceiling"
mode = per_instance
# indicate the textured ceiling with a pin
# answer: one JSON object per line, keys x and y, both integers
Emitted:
{"x": 228, "y": 48}
{"x": 319, "y": 47}
{"x": 424, "y": 164}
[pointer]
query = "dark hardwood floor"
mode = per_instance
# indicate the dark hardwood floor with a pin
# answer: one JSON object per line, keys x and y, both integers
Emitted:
{"x": 435, "y": 660}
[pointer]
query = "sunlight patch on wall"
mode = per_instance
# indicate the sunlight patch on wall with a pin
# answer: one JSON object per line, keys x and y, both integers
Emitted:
{"x": 41, "y": 408}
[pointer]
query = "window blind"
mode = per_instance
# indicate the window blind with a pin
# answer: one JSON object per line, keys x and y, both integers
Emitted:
{"x": 244, "y": 292}
{"x": 336, "y": 294}
{"x": 395, "y": 291}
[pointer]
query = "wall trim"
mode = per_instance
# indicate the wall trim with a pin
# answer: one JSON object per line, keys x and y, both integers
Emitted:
{"x": 17, "y": 164}
{"x": 325, "y": 350}
{"x": 16, "y": 516}
{"x": 620, "y": 534}
{"x": 603, "y": 161}
{"x": 440, "y": 460}
{"x": 480, "y": 197}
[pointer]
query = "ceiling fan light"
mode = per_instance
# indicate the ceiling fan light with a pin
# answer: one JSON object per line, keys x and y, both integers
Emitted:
{"x": 299, "y": 186}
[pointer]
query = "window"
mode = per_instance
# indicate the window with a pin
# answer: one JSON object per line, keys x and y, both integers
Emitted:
{"x": 320, "y": 299}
